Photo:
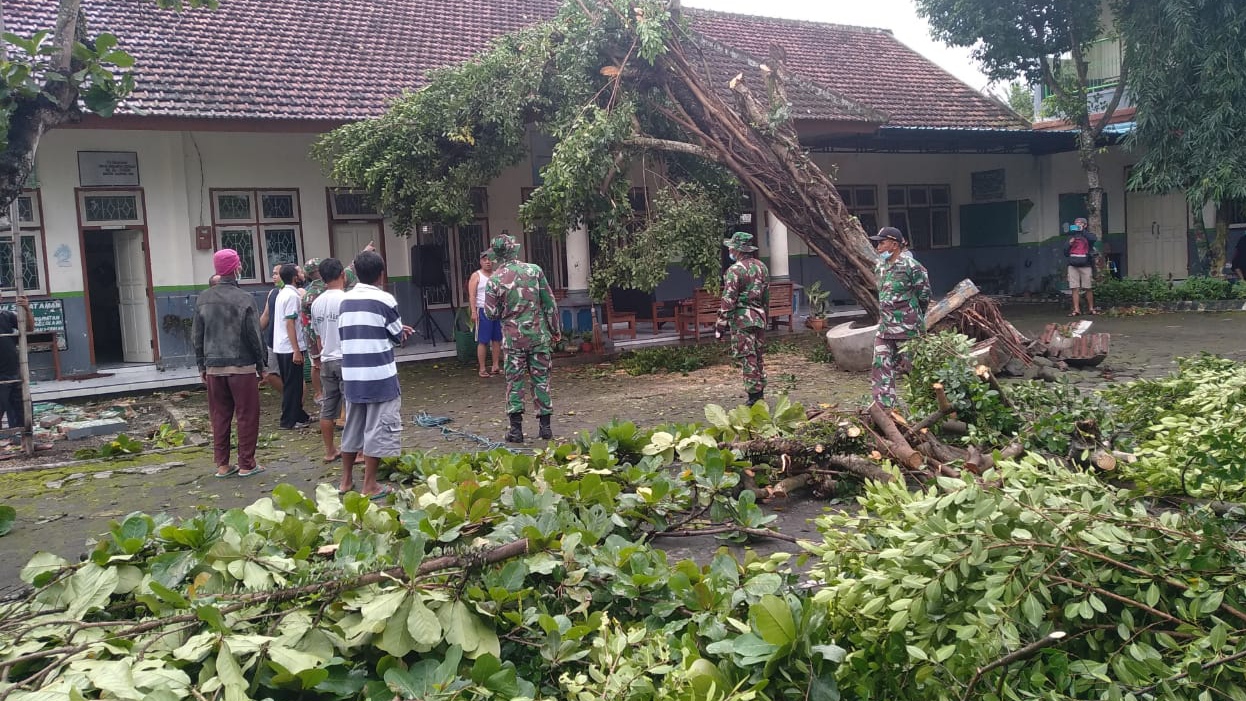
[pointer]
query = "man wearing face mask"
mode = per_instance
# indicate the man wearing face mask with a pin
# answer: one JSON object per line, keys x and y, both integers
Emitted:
{"x": 742, "y": 314}
{"x": 903, "y": 294}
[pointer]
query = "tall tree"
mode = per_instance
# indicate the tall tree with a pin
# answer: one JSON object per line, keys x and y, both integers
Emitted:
{"x": 1029, "y": 38}
{"x": 54, "y": 77}
{"x": 1190, "y": 94}
{"x": 623, "y": 87}
{"x": 1020, "y": 98}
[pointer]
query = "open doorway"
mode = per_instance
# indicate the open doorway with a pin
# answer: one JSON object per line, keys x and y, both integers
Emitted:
{"x": 116, "y": 280}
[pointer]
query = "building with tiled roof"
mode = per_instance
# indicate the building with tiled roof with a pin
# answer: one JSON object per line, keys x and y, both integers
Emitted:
{"x": 213, "y": 149}
{"x": 309, "y": 60}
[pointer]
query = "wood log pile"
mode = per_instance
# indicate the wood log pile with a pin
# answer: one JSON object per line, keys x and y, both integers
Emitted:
{"x": 853, "y": 446}
{"x": 1004, "y": 349}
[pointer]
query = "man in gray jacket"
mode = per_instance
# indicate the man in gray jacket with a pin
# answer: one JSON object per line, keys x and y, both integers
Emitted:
{"x": 230, "y": 355}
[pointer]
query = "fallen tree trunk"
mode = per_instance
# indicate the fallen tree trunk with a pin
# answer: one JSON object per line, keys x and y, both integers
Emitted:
{"x": 898, "y": 446}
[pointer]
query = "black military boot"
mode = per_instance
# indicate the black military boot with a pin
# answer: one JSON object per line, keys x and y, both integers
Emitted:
{"x": 546, "y": 432}
{"x": 515, "y": 435}
{"x": 754, "y": 397}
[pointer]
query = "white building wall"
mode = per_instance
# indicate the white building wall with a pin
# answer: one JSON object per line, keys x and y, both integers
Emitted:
{"x": 162, "y": 179}
{"x": 1062, "y": 173}
{"x": 1023, "y": 180}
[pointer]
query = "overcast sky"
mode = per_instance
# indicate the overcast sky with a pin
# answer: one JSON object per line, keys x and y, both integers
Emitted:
{"x": 900, "y": 16}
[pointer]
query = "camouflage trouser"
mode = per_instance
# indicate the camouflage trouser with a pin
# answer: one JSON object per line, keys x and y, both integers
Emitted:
{"x": 889, "y": 361}
{"x": 518, "y": 366}
{"x": 746, "y": 348}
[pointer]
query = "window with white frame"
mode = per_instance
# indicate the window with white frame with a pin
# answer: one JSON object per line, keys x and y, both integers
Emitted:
{"x": 264, "y": 226}
{"x": 352, "y": 204}
{"x": 862, "y": 203}
{"x": 923, "y": 213}
{"x": 30, "y": 233}
{"x": 547, "y": 251}
{"x": 111, "y": 208}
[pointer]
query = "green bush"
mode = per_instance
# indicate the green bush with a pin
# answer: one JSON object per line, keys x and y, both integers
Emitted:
{"x": 1134, "y": 291}
{"x": 1202, "y": 288}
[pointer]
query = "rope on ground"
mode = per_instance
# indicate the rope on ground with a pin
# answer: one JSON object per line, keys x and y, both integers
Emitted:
{"x": 424, "y": 420}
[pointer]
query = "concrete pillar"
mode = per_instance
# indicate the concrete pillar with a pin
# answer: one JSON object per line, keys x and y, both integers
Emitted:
{"x": 777, "y": 235}
{"x": 577, "y": 266}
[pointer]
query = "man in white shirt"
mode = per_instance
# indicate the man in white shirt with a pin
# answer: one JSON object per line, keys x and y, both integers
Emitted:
{"x": 289, "y": 343}
{"x": 324, "y": 315}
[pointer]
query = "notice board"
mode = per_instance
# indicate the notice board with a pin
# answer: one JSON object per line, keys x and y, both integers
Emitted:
{"x": 49, "y": 316}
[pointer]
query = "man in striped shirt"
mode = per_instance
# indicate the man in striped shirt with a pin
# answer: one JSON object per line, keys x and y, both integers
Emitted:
{"x": 369, "y": 327}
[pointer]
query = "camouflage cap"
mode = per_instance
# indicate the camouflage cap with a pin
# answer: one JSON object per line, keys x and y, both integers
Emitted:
{"x": 740, "y": 241}
{"x": 311, "y": 267}
{"x": 504, "y": 247}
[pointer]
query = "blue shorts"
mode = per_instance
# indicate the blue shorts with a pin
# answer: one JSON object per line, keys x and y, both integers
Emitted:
{"x": 487, "y": 330}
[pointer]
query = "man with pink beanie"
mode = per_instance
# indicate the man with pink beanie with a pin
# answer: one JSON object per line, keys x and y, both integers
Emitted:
{"x": 230, "y": 355}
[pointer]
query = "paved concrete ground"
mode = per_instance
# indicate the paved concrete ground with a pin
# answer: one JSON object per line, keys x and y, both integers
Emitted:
{"x": 61, "y": 509}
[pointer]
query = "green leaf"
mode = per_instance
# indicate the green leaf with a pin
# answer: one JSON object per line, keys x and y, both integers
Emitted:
{"x": 396, "y": 638}
{"x": 717, "y": 416}
{"x": 168, "y": 595}
{"x": 422, "y": 623}
{"x": 460, "y": 625}
{"x": 92, "y": 587}
{"x": 41, "y": 567}
{"x": 294, "y": 661}
{"x": 8, "y": 516}
{"x": 212, "y": 616}
{"x": 773, "y": 618}
{"x": 230, "y": 674}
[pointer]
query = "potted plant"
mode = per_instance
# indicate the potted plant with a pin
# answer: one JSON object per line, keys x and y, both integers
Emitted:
{"x": 818, "y": 299}
{"x": 586, "y": 342}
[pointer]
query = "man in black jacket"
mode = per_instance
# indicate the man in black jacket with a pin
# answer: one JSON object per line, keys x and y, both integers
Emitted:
{"x": 231, "y": 356}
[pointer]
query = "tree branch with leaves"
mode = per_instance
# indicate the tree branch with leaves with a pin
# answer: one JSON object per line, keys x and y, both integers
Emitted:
{"x": 624, "y": 89}
{"x": 55, "y": 76}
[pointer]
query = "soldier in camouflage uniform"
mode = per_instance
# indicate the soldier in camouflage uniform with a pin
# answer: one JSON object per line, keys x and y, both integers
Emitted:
{"x": 519, "y": 296}
{"x": 744, "y": 309}
{"x": 903, "y": 293}
{"x": 314, "y": 288}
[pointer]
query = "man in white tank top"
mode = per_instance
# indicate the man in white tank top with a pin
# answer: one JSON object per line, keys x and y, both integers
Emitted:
{"x": 488, "y": 331}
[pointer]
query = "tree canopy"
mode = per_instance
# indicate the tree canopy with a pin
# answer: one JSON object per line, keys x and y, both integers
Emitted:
{"x": 1190, "y": 95}
{"x": 1028, "y": 38}
{"x": 620, "y": 88}
{"x": 55, "y": 76}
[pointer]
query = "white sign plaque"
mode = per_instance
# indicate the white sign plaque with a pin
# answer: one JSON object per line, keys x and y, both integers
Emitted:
{"x": 108, "y": 168}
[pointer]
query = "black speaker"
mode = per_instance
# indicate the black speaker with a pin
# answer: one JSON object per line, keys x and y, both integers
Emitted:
{"x": 428, "y": 266}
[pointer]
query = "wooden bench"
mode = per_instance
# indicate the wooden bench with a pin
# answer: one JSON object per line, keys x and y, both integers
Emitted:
{"x": 780, "y": 305}
{"x": 662, "y": 312}
{"x": 613, "y": 317}
{"x": 701, "y": 311}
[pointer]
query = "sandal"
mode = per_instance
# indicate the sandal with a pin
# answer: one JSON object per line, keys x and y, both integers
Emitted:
{"x": 482, "y": 373}
{"x": 1094, "y": 312}
{"x": 1075, "y": 314}
{"x": 333, "y": 459}
{"x": 253, "y": 471}
{"x": 348, "y": 490}
{"x": 229, "y": 473}
{"x": 383, "y": 492}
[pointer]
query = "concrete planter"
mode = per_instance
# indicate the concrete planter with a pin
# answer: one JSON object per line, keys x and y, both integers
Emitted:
{"x": 852, "y": 346}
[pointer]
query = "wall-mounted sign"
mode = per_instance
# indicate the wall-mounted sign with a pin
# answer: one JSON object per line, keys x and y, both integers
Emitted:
{"x": 987, "y": 185}
{"x": 49, "y": 315}
{"x": 108, "y": 168}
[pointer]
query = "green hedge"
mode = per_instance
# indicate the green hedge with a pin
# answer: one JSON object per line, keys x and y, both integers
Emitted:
{"x": 1134, "y": 291}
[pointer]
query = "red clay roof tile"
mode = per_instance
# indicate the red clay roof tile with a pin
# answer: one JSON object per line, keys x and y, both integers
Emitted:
{"x": 345, "y": 59}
